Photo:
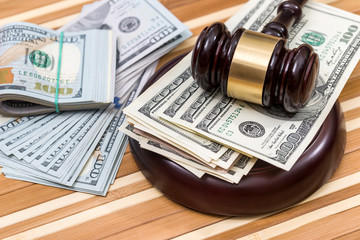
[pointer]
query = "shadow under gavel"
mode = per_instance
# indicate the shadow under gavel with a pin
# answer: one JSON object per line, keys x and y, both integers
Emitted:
{"x": 256, "y": 67}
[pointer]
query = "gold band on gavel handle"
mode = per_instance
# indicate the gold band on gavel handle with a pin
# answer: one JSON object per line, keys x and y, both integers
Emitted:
{"x": 249, "y": 65}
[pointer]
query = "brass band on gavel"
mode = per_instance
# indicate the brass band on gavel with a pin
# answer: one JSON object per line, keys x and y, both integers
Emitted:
{"x": 256, "y": 67}
{"x": 249, "y": 66}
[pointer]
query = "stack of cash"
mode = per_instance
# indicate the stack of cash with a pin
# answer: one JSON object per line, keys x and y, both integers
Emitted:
{"x": 30, "y": 61}
{"x": 198, "y": 128}
{"x": 82, "y": 150}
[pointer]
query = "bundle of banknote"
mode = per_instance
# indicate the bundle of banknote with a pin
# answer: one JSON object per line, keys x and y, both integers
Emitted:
{"x": 82, "y": 150}
{"x": 41, "y": 68}
{"x": 204, "y": 126}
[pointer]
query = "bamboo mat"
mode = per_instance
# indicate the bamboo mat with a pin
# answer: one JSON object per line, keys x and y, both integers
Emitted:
{"x": 133, "y": 209}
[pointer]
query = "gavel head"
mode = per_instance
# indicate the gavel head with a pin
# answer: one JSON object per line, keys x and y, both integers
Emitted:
{"x": 254, "y": 67}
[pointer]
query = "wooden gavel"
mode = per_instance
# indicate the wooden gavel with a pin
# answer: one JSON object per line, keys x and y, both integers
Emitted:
{"x": 256, "y": 67}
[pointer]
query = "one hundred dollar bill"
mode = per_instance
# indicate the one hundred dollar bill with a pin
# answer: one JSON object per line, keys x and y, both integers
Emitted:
{"x": 141, "y": 27}
{"x": 144, "y": 107}
{"x": 186, "y": 97}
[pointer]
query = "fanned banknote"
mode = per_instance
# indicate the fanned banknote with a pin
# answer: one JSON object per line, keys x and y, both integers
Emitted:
{"x": 145, "y": 31}
{"x": 83, "y": 156}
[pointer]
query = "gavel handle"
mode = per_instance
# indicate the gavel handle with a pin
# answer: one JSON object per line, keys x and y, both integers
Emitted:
{"x": 289, "y": 13}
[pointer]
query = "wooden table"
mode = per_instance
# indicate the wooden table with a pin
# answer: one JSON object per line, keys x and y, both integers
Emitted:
{"x": 133, "y": 209}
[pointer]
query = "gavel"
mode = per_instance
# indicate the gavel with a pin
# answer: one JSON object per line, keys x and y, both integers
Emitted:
{"x": 257, "y": 67}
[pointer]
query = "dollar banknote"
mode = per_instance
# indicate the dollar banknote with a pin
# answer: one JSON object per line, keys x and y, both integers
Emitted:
{"x": 230, "y": 175}
{"x": 233, "y": 174}
{"x": 145, "y": 31}
{"x": 37, "y": 72}
{"x": 269, "y": 133}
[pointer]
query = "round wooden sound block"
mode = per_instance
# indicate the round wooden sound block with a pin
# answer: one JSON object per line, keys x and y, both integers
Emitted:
{"x": 265, "y": 189}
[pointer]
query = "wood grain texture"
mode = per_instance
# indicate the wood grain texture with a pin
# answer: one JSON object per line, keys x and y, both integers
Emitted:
{"x": 133, "y": 209}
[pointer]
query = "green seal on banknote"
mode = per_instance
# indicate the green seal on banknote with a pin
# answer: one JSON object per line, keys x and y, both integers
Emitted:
{"x": 40, "y": 59}
{"x": 313, "y": 38}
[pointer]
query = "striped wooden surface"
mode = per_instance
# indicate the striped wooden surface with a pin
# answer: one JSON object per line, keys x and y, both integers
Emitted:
{"x": 133, "y": 209}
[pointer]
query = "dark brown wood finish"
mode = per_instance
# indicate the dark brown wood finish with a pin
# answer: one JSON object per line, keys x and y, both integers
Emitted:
{"x": 212, "y": 55}
{"x": 291, "y": 74}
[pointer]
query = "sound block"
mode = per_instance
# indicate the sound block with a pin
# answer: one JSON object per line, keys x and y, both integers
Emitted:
{"x": 265, "y": 189}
